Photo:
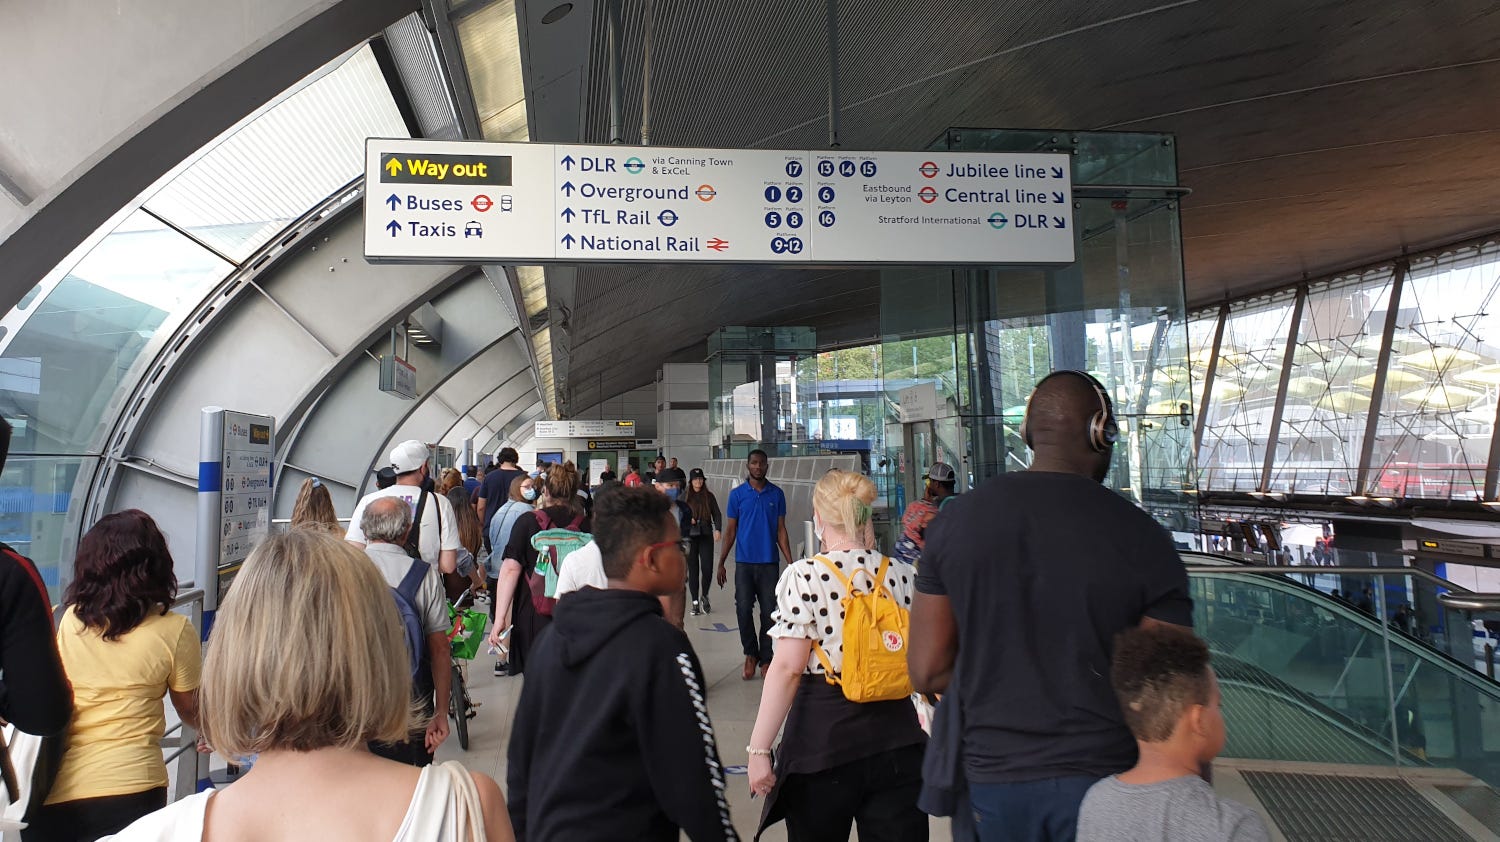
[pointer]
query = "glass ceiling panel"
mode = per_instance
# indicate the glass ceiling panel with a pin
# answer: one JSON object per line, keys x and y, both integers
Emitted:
{"x": 256, "y": 181}
{"x": 60, "y": 372}
{"x": 492, "y": 53}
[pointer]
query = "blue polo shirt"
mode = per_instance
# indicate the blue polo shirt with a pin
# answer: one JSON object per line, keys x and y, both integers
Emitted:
{"x": 756, "y": 515}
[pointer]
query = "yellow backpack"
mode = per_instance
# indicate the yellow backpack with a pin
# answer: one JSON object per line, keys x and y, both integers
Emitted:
{"x": 875, "y": 634}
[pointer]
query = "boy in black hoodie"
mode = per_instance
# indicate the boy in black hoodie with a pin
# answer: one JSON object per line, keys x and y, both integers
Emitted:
{"x": 612, "y": 738}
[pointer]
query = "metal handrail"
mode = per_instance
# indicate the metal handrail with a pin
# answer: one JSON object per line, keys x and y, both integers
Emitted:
{"x": 191, "y": 766}
{"x": 1468, "y": 601}
{"x": 1309, "y": 569}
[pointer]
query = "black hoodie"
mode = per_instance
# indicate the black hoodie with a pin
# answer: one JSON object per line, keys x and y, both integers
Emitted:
{"x": 612, "y": 738}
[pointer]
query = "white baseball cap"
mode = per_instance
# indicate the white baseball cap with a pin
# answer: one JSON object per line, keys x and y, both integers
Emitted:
{"x": 408, "y": 456}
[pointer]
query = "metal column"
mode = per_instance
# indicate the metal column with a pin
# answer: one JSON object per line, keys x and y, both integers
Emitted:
{"x": 1208, "y": 377}
{"x": 1377, "y": 389}
{"x": 1274, "y": 432}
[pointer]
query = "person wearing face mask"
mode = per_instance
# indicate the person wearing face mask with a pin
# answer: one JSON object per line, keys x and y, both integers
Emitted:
{"x": 522, "y": 500}
{"x": 518, "y": 614}
{"x": 839, "y": 761}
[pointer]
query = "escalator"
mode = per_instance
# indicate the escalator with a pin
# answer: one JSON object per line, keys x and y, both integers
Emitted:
{"x": 1306, "y": 677}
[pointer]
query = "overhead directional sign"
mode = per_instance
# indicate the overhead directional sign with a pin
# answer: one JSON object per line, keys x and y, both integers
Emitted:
{"x": 475, "y": 202}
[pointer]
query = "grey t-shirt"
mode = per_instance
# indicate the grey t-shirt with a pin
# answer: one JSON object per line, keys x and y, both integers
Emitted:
{"x": 1179, "y": 810}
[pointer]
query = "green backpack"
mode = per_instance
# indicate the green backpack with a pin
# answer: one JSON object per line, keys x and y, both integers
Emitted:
{"x": 553, "y": 544}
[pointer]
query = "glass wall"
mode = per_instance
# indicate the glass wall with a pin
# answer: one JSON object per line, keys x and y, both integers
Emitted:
{"x": 984, "y": 337}
{"x": 761, "y": 387}
{"x": 1433, "y": 384}
{"x": 1328, "y": 392}
{"x": 1438, "y": 409}
{"x": 1237, "y": 424}
{"x": 74, "y": 347}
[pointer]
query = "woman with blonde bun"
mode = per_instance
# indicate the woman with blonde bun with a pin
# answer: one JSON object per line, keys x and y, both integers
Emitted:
{"x": 839, "y": 761}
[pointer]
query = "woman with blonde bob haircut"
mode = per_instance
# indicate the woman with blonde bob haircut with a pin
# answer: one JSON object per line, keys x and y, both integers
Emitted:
{"x": 306, "y": 664}
{"x": 839, "y": 760}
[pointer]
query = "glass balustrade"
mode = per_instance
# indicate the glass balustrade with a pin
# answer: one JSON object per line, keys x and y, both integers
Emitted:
{"x": 1307, "y": 677}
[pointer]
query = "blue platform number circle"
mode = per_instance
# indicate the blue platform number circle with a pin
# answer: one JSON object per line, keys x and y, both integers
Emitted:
{"x": 773, "y": 219}
{"x": 794, "y": 245}
{"x": 773, "y": 194}
{"x": 825, "y": 168}
{"x": 794, "y": 195}
{"x": 793, "y": 168}
{"x": 867, "y": 169}
{"x": 846, "y": 168}
{"x": 793, "y": 219}
{"x": 825, "y": 194}
{"x": 826, "y": 218}
{"x": 778, "y": 245}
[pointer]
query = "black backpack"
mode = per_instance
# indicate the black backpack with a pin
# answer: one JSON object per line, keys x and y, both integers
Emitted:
{"x": 414, "y": 536}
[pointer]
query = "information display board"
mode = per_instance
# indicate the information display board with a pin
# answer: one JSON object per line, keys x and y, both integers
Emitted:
{"x": 584, "y": 428}
{"x": 235, "y": 471}
{"x": 471, "y": 201}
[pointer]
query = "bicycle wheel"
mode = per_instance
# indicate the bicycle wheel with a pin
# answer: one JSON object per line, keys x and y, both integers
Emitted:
{"x": 458, "y": 697}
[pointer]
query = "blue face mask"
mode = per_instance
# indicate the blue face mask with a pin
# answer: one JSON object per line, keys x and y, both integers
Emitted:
{"x": 671, "y": 493}
{"x": 528, "y": 493}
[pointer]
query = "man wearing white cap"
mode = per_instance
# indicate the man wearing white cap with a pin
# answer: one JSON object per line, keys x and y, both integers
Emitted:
{"x": 434, "y": 531}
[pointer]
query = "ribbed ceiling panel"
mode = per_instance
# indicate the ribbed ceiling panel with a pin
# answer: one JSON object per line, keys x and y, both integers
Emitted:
{"x": 1315, "y": 134}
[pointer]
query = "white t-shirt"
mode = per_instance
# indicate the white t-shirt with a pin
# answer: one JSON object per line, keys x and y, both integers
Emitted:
{"x": 584, "y": 567}
{"x": 808, "y": 599}
{"x": 438, "y": 510}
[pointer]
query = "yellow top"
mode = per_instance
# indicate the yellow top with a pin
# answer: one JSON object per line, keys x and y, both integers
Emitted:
{"x": 114, "y": 740}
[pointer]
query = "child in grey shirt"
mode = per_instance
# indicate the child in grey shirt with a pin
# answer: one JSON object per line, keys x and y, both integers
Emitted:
{"x": 1170, "y": 699}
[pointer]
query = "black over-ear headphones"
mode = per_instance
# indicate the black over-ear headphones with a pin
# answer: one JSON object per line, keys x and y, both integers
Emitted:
{"x": 1103, "y": 431}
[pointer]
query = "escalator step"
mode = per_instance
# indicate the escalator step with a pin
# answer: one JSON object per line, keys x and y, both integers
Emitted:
{"x": 1335, "y": 808}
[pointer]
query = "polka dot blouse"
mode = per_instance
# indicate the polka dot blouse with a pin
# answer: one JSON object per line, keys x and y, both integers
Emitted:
{"x": 809, "y": 599}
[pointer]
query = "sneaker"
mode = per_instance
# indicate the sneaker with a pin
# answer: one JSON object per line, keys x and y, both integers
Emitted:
{"x": 706, "y": 607}
{"x": 502, "y": 668}
{"x": 695, "y": 611}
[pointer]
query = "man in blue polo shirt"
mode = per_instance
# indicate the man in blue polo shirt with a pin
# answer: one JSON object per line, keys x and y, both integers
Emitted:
{"x": 756, "y": 527}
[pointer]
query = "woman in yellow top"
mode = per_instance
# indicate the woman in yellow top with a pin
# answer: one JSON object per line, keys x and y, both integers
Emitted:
{"x": 123, "y": 650}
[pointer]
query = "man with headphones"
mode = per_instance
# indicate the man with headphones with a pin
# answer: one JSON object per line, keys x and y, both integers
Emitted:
{"x": 1023, "y": 585}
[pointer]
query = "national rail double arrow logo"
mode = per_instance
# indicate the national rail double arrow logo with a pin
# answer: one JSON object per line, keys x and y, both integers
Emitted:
{"x": 706, "y": 192}
{"x": 927, "y": 195}
{"x": 928, "y": 169}
{"x": 717, "y": 244}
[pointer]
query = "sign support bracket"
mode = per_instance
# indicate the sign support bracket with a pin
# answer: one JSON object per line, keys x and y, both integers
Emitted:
{"x": 834, "y": 105}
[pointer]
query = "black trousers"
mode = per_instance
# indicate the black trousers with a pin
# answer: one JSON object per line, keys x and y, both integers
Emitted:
{"x": 87, "y": 819}
{"x": 755, "y": 583}
{"x": 700, "y": 564}
{"x": 413, "y": 750}
{"x": 878, "y": 793}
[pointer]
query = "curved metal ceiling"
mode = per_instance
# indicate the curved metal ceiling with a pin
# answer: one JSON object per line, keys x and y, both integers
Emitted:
{"x": 1315, "y": 137}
